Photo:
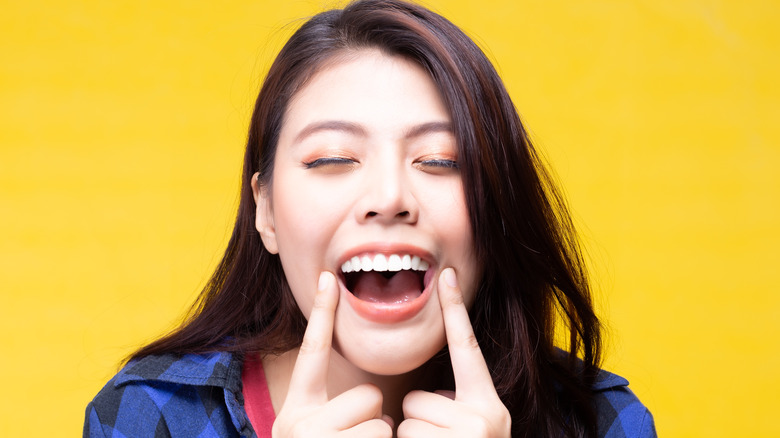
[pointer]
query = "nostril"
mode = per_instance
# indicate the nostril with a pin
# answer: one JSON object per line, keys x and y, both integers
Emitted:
{"x": 400, "y": 215}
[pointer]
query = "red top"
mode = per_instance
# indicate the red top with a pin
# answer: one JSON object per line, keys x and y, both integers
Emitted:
{"x": 257, "y": 399}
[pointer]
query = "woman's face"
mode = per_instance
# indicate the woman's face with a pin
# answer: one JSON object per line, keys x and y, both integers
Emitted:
{"x": 365, "y": 185}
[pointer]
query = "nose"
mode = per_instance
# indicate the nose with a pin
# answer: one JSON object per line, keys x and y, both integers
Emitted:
{"x": 387, "y": 196}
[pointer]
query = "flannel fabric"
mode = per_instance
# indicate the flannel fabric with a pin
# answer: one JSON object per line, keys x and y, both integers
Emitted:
{"x": 169, "y": 396}
{"x": 620, "y": 413}
{"x": 200, "y": 396}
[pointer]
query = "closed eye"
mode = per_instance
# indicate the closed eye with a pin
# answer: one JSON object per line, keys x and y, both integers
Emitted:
{"x": 440, "y": 163}
{"x": 329, "y": 161}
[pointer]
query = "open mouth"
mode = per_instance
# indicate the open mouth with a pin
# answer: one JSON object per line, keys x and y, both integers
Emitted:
{"x": 388, "y": 279}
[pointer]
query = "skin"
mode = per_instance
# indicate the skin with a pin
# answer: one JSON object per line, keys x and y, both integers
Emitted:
{"x": 363, "y": 165}
{"x": 474, "y": 410}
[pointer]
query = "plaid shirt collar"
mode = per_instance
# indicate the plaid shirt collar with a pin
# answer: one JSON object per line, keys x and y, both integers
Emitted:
{"x": 606, "y": 380}
{"x": 218, "y": 369}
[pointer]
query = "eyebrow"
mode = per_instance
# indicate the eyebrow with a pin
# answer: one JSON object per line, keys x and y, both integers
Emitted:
{"x": 355, "y": 129}
{"x": 428, "y": 128}
{"x": 331, "y": 125}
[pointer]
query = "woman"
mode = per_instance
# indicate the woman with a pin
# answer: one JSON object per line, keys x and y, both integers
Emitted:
{"x": 392, "y": 213}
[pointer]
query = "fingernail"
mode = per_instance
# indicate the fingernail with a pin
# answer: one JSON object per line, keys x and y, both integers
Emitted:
{"x": 449, "y": 277}
{"x": 322, "y": 284}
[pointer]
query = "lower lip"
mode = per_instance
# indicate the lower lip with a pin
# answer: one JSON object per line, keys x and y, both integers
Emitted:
{"x": 388, "y": 313}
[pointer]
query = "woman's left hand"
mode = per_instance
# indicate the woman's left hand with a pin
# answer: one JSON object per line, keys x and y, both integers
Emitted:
{"x": 476, "y": 410}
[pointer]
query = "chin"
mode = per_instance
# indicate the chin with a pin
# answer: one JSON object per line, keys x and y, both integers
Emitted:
{"x": 392, "y": 354}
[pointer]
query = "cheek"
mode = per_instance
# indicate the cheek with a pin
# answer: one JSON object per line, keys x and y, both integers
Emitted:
{"x": 305, "y": 221}
{"x": 469, "y": 284}
{"x": 449, "y": 202}
{"x": 296, "y": 212}
{"x": 296, "y": 253}
{"x": 458, "y": 240}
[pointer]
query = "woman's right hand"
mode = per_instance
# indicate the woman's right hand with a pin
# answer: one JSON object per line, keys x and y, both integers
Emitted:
{"x": 306, "y": 411}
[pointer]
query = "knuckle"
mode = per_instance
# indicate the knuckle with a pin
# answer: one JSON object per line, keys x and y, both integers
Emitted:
{"x": 505, "y": 419}
{"x": 381, "y": 428}
{"x": 479, "y": 426}
{"x": 310, "y": 346}
{"x": 405, "y": 429}
{"x": 471, "y": 342}
{"x": 372, "y": 391}
{"x": 413, "y": 401}
{"x": 371, "y": 395}
{"x": 305, "y": 427}
{"x": 286, "y": 427}
{"x": 411, "y": 396}
{"x": 321, "y": 301}
{"x": 299, "y": 429}
{"x": 454, "y": 298}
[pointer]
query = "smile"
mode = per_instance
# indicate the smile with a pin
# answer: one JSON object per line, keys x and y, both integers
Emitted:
{"x": 385, "y": 279}
{"x": 387, "y": 287}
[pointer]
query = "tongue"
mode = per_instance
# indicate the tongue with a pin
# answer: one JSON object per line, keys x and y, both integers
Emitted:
{"x": 401, "y": 287}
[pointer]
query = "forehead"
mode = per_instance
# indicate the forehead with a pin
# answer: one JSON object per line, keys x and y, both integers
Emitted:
{"x": 368, "y": 88}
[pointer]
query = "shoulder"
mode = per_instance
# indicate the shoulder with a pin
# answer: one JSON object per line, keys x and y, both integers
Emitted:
{"x": 170, "y": 394}
{"x": 620, "y": 413}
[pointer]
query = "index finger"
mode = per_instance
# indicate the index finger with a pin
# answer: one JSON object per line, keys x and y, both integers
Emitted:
{"x": 471, "y": 373}
{"x": 310, "y": 373}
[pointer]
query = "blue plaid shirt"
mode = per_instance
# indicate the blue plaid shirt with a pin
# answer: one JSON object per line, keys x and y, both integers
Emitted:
{"x": 200, "y": 396}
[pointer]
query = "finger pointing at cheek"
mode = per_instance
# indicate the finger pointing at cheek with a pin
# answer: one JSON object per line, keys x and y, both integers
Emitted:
{"x": 306, "y": 411}
{"x": 471, "y": 373}
{"x": 476, "y": 409}
{"x": 308, "y": 382}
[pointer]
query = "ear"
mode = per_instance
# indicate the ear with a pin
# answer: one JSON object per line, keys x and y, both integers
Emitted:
{"x": 264, "y": 218}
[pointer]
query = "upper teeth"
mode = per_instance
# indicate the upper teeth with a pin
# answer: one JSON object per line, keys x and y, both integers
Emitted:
{"x": 382, "y": 263}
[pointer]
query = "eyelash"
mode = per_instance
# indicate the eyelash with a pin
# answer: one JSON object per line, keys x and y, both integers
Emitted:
{"x": 327, "y": 161}
{"x": 330, "y": 161}
{"x": 445, "y": 164}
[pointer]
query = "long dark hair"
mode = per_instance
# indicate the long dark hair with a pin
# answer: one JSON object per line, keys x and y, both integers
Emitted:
{"x": 535, "y": 282}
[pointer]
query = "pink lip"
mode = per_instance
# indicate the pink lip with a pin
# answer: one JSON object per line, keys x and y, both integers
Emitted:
{"x": 388, "y": 313}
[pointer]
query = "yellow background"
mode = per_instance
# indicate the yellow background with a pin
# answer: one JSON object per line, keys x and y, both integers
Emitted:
{"x": 122, "y": 125}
